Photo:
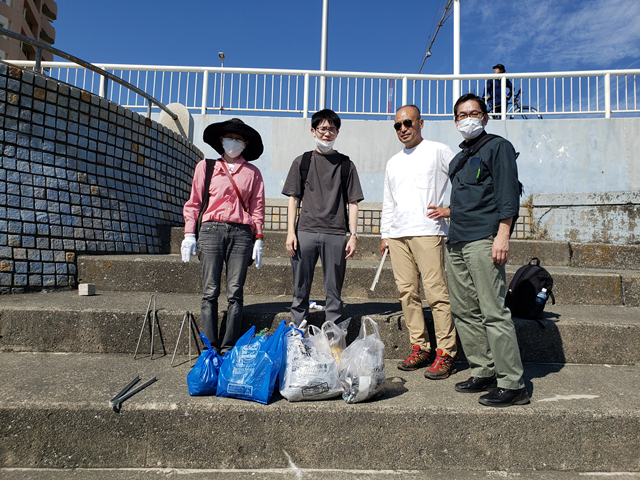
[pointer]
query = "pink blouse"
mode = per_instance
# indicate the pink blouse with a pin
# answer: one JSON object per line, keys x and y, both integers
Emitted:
{"x": 224, "y": 205}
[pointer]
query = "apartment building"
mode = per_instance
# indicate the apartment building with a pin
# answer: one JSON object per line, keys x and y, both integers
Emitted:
{"x": 31, "y": 18}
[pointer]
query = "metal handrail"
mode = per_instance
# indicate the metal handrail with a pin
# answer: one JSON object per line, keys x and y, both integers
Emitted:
{"x": 40, "y": 46}
{"x": 248, "y": 89}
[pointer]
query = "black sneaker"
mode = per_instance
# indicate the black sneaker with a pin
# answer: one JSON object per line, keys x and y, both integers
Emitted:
{"x": 502, "y": 397}
{"x": 476, "y": 385}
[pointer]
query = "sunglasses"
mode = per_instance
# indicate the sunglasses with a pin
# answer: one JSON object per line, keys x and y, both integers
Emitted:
{"x": 407, "y": 123}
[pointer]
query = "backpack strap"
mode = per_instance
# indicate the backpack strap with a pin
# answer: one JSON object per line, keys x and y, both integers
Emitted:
{"x": 305, "y": 164}
{"x": 471, "y": 152}
{"x": 205, "y": 194}
{"x": 344, "y": 176}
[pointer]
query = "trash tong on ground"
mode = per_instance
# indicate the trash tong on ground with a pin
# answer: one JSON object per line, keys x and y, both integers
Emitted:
{"x": 116, "y": 402}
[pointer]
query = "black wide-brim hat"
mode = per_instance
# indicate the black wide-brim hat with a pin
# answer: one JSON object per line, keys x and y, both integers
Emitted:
{"x": 214, "y": 131}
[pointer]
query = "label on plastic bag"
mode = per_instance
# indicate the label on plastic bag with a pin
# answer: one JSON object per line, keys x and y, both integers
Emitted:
{"x": 248, "y": 353}
{"x": 238, "y": 389}
{"x": 316, "y": 389}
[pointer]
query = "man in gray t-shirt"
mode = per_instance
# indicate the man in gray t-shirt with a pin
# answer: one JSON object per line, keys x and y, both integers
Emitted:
{"x": 325, "y": 181}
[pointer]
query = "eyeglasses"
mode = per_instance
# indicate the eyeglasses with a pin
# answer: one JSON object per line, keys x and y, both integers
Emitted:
{"x": 474, "y": 114}
{"x": 407, "y": 123}
{"x": 327, "y": 130}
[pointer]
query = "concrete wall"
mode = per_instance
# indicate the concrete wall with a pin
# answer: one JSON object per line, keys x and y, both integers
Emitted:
{"x": 80, "y": 174}
{"x": 585, "y": 157}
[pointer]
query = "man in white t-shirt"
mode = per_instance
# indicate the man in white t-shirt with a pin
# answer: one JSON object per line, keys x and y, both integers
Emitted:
{"x": 414, "y": 231}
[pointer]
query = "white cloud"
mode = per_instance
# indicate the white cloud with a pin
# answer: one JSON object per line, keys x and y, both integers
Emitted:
{"x": 557, "y": 34}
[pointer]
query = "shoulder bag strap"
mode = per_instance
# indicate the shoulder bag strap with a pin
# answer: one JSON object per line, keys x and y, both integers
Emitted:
{"x": 205, "y": 194}
{"x": 472, "y": 151}
{"x": 235, "y": 187}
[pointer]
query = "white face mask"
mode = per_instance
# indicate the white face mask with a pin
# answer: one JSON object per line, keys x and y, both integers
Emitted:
{"x": 470, "y": 127}
{"x": 323, "y": 146}
{"x": 232, "y": 147}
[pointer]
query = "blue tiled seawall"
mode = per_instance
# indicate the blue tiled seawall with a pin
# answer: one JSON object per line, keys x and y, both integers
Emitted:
{"x": 80, "y": 174}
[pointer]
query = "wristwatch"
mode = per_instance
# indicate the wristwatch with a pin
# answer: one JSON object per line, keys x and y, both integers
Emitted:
{"x": 354, "y": 234}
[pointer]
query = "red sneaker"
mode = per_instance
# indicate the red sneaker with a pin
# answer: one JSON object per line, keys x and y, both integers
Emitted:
{"x": 417, "y": 359}
{"x": 442, "y": 366}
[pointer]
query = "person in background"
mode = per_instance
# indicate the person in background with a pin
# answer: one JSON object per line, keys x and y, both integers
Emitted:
{"x": 493, "y": 90}
{"x": 233, "y": 218}
{"x": 415, "y": 182}
{"x": 323, "y": 182}
{"x": 485, "y": 201}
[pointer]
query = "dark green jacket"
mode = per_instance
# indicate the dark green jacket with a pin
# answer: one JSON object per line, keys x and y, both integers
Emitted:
{"x": 485, "y": 191}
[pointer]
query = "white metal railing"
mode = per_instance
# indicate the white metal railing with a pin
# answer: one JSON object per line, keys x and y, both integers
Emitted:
{"x": 355, "y": 94}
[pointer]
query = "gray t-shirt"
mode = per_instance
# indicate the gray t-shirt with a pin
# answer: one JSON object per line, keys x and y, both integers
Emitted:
{"x": 322, "y": 208}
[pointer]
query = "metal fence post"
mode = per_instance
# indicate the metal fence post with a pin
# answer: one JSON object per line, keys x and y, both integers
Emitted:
{"x": 405, "y": 82}
{"x": 221, "y": 90}
{"x": 305, "y": 107}
{"x": 103, "y": 87}
{"x": 607, "y": 95}
{"x": 38, "y": 66}
{"x": 503, "y": 98}
{"x": 205, "y": 91}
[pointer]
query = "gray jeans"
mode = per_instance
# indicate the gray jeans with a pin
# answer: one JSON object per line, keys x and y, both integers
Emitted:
{"x": 330, "y": 249}
{"x": 218, "y": 244}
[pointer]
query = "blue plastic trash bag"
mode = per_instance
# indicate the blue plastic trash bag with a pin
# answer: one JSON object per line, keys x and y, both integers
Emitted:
{"x": 250, "y": 370}
{"x": 203, "y": 377}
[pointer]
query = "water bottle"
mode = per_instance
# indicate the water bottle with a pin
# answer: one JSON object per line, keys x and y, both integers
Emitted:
{"x": 541, "y": 299}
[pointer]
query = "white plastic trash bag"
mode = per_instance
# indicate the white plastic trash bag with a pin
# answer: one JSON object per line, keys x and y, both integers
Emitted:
{"x": 336, "y": 336}
{"x": 361, "y": 365}
{"x": 309, "y": 371}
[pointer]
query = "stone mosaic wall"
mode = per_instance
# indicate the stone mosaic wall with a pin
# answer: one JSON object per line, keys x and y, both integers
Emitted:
{"x": 80, "y": 174}
{"x": 369, "y": 218}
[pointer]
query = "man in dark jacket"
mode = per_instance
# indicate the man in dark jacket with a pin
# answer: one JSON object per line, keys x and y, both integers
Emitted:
{"x": 484, "y": 205}
{"x": 493, "y": 91}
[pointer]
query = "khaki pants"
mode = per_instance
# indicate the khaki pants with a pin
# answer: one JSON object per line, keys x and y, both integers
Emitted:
{"x": 487, "y": 333}
{"x": 411, "y": 259}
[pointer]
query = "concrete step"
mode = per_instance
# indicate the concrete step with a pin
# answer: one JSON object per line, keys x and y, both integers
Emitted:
{"x": 295, "y": 473}
{"x": 167, "y": 273}
{"x": 552, "y": 254}
{"x": 55, "y": 414}
{"x": 110, "y": 322}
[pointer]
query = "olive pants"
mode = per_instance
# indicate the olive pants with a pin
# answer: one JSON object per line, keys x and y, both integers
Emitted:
{"x": 477, "y": 287}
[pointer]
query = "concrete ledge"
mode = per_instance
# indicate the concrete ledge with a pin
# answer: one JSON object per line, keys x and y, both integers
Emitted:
{"x": 554, "y": 254}
{"x": 586, "y": 199}
{"x": 167, "y": 273}
{"x": 604, "y": 255}
{"x": 54, "y": 409}
{"x": 111, "y": 322}
{"x": 295, "y": 473}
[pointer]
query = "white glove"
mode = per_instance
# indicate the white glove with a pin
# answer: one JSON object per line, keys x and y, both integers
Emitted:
{"x": 257, "y": 253}
{"x": 188, "y": 247}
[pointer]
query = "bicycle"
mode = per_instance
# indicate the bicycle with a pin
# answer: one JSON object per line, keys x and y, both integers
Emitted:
{"x": 518, "y": 110}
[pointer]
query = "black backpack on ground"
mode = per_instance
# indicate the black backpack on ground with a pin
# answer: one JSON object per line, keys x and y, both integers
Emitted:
{"x": 528, "y": 281}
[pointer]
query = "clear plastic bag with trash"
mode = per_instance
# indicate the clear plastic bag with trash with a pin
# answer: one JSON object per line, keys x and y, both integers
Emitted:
{"x": 361, "y": 365}
{"x": 336, "y": 336}
{"x": 308, "y": 371}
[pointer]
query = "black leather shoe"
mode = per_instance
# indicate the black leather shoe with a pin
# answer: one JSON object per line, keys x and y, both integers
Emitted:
{"x": 502, "y": 397}
{"x": 476, "y": 384}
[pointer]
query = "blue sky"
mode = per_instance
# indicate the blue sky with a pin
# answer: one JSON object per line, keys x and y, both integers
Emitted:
{"x": 369, "y": 36}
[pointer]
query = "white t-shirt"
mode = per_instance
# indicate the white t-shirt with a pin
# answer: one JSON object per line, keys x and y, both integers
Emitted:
{"x": 413, "y": 180}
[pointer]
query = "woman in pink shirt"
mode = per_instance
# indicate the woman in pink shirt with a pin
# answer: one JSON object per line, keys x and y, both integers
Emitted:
{"x": 233, "y": 218}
